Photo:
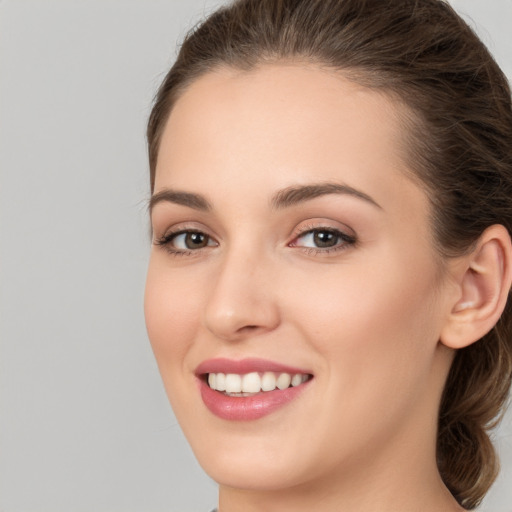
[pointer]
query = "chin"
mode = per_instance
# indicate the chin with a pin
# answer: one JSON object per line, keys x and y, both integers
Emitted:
{"x": 262, "y": 474}
{"x": 257, "y": 459}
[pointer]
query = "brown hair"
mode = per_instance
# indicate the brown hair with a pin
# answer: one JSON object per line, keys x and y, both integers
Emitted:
{"x": 459, "y": 145}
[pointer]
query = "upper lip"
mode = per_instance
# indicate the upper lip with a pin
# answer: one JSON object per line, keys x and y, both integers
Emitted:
{"x": 243, "y": 366}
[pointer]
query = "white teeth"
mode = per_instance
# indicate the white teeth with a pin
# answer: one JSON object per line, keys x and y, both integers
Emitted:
{"x": 284, "y": 380}
{"x": 220, "y": 384}
{"x": 251, "y": 383}
{"x": 268, "y": 381}
{"x": 296, "y": 379}
{"x": 254, "y": 382}
{"x": 233, "y": 383}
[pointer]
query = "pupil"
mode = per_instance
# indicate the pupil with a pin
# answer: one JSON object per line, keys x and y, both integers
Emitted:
{"x": 325, "y": 239}
{"x": 196, "y": 240}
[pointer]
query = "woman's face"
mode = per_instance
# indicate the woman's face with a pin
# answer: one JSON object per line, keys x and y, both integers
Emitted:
{"x": 289, "y": 244}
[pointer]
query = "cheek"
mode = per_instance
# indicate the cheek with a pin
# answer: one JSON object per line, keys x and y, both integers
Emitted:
{"x": 370, "y": 318}
{"x": 171, "y": 312}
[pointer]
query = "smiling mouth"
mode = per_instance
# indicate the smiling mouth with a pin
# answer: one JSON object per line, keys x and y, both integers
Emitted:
{"x": 253, "y": 383}
{"x": 249, "y": 389}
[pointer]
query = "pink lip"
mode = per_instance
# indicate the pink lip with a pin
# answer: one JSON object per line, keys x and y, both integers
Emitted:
{"x": 249, "y": 407}
{"x": 221, "y": 365}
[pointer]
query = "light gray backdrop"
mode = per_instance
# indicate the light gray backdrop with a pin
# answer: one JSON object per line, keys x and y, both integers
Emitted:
{"x": 84, "y": 422}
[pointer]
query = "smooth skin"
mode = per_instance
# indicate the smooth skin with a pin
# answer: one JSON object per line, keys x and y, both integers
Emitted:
{"x": 366, "y": 313}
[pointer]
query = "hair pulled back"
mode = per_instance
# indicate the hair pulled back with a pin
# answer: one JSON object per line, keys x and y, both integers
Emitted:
{"x": 458, "y": 140}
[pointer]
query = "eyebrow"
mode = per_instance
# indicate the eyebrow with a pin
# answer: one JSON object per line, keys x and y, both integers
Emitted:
{"x": 285, "y": 198}
{"x": 195, "y": 201}
{"x": 294, "y": 195}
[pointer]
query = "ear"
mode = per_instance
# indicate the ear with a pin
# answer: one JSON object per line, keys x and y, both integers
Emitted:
{"x": 483, "y": 283}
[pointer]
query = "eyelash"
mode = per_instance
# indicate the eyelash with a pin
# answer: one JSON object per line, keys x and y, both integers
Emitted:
{"x": 344, "y": 241}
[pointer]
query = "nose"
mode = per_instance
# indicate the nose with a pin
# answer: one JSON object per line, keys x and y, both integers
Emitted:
{"x": 243, "y": 301}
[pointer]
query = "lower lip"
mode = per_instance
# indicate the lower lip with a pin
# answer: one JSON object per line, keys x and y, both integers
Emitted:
{"x": 246, "y": 408}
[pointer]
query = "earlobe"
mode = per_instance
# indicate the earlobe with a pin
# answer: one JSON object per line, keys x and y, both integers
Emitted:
{"x": 483, "y": 284}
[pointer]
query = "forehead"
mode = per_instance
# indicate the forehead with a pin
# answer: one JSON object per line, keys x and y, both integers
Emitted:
{"x": 282, "y": 122}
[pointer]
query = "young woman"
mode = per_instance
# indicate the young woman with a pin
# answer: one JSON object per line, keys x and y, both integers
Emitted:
{"x": 327, "y": 289}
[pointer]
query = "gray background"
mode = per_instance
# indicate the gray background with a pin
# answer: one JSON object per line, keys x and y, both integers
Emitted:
{"x": 84, "y": 422}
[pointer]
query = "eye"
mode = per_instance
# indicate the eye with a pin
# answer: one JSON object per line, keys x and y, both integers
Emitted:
{"x": 185, "y": 241}
{"x": 323, "y": 239}
{"x": 191, "y": 240}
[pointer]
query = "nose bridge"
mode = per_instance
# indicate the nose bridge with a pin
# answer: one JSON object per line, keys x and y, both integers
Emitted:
{"x": 242, "y": 300}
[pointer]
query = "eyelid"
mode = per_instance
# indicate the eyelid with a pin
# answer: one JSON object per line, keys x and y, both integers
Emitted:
{"x": 323, "y": 224}
{"x": 181, "y": 227}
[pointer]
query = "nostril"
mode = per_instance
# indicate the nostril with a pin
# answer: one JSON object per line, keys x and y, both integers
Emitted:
{"x": 248, "y": 328}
